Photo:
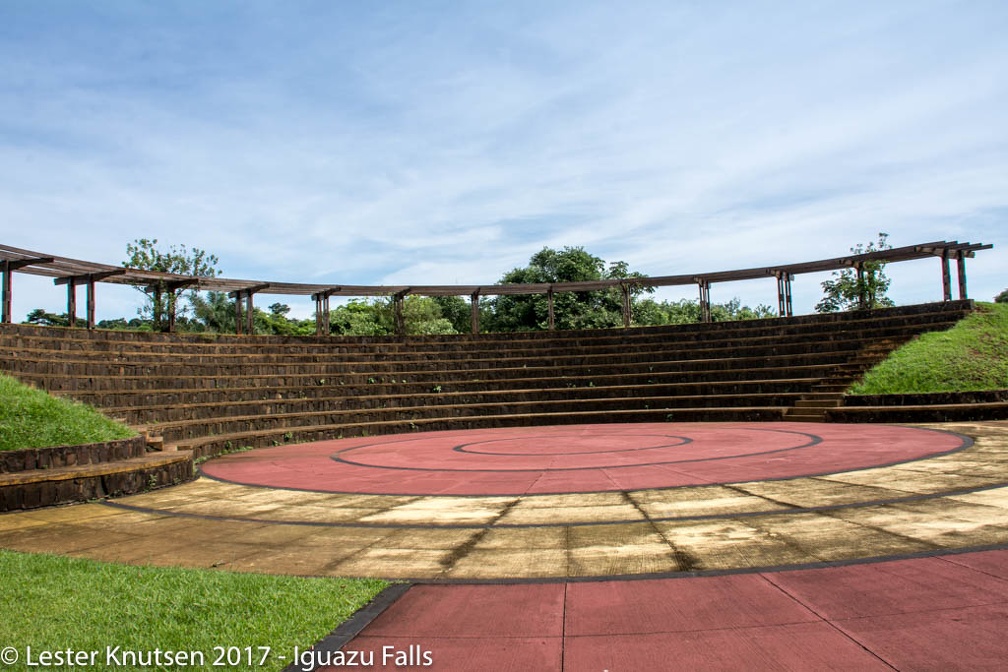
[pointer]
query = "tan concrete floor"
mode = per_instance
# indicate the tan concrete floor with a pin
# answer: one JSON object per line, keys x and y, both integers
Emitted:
{"x": 951, "y": 502}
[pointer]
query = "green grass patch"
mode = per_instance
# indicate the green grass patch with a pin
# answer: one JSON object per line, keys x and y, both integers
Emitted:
{"x": 52, "y": 603}
{"x": 31, "y": 418}
{"x": 973, "y": 355}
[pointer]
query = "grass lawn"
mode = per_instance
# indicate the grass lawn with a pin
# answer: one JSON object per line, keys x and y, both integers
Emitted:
{"x": 973, "y": 355}
{"x": 52, "y": 603}
{"x": 31, "y": 418}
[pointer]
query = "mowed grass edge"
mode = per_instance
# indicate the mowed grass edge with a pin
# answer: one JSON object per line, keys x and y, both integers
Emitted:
{"x": 245, "y": 621}
{"x": 972, "y": 355}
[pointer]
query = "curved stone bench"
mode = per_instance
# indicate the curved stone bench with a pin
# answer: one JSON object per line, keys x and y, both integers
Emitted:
{"x": 37, "y": 477}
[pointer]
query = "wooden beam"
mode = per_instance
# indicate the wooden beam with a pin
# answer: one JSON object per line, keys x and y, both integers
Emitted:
{"x": 474, "y": 309}
{"x": 9, "y": 266}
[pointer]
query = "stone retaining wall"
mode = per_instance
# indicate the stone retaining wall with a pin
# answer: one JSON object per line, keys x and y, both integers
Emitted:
{"x": 12, "y": 461}
{"x": 933, "y": 407}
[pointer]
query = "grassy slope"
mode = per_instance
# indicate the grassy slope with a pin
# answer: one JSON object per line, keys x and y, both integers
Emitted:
{"x": 973, "y": 355}
{"x": 55, "y": 603}
{"x": 32, "y": 419}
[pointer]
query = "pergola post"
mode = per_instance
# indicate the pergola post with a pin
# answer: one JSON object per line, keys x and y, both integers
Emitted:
{"x": 961, "y": 263}
{"x": 7, "y": 291}
{"x": 549, "y": 301}
{"x": 322, "y": 312}
{"x": 862, "y": 290}
{"x": 249, "y": 314}
{"x": 705, "y": 309}
{"x": 625, "y": 288}
{"x": 784, "y": 305}
{"x": 89, "y": 279}
{"x": 474, "y": 309}
{"x": 400, "y": 319}
{"x": 946, "y": 276}
{"x": 236, "y": 295}
{"x": 91, "y": 285}
{"x": 71, "y": 304}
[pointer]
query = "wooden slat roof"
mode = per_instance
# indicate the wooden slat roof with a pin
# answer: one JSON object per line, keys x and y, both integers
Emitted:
{"x": 65, "y": 269}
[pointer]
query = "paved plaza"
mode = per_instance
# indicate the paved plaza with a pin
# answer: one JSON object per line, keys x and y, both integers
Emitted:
{"x": 719, "y": 545}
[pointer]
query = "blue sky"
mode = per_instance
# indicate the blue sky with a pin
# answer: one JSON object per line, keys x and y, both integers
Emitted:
{"x": 425, "y": 142}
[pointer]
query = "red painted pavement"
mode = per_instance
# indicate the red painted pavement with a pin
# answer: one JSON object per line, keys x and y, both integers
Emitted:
{"x": 936, "y": 613}
{"x": 579, "y": 458}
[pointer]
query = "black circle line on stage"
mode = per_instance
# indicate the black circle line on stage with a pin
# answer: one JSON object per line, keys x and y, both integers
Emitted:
{"x": 812, "y": 441}
{"x": 464, "y": 448}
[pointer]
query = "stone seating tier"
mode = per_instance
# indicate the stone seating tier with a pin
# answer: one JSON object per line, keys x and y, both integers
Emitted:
{"x": 210, "y": 394}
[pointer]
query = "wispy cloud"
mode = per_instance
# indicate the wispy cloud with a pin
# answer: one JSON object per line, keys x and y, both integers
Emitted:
{"x": 428, "y": 142}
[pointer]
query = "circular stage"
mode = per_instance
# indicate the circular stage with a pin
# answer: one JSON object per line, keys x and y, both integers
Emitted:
{"x": 580, "y": 458}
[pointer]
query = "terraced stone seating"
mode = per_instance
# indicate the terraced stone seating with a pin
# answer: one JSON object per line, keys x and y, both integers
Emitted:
{"x": 209, "y": 394}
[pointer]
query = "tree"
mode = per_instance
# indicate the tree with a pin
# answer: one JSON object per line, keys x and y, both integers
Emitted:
{"x": 40, "y": 317}
{"x": 684, "y": 311}
{"x": 162, "y": 305}
{"x": 214, "y": 311}
{"x": 571, "y": 310}
{"x": 849, "y": 290}
{"x": 1002, "y": 297}
{"x": 422, "y": 315}
{"x": 457, "y": 311}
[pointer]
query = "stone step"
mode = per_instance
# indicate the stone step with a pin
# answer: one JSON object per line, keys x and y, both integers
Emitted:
{"x": 63, "y": 485}
{"x": 730, "y": 394}
{"x": 178, "y": 431}
{"x": 217, "y": 443}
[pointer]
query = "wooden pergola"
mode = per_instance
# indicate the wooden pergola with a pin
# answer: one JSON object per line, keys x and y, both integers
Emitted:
{"x": 74, "y": 272}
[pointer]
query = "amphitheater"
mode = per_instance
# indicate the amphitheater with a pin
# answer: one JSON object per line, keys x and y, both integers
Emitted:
{"x": 606, "y": 499}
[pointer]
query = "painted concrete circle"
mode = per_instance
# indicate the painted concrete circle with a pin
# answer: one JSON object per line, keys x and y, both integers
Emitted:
{"x": 579, "y": 458}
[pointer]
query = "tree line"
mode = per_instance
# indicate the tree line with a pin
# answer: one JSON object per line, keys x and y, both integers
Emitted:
{"x": 168, "y": 307}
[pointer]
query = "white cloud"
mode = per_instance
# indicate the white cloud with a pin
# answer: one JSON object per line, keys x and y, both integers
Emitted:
{"x": 364, "y": 145}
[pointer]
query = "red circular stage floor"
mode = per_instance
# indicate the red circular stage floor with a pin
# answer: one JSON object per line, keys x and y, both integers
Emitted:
{"x": 579, "y": 458}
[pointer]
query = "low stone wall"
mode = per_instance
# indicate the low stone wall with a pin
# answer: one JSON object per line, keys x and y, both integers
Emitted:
{"x": 934, "y": 407}
{"x": 68, "y": 485}
{"x": 12, "y": 461}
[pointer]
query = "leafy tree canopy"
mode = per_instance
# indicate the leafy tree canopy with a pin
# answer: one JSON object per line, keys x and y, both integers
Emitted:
{"x": 572, "y": 310}
{"x": 848, "y": 290}
{"x": 161, "y": 306}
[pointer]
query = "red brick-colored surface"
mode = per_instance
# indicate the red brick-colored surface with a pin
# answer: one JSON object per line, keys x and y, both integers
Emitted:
{"x": 579, "y": 458}
{"x": 937, "y": 613}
